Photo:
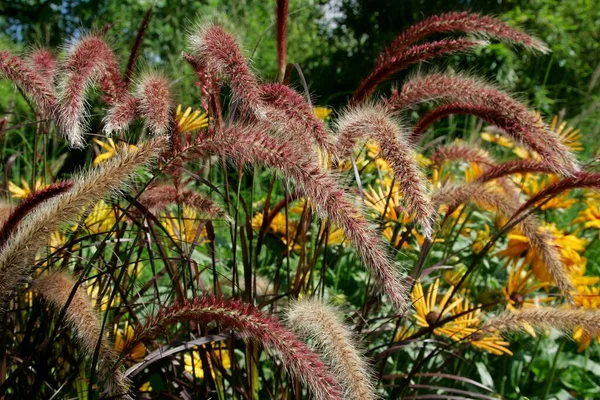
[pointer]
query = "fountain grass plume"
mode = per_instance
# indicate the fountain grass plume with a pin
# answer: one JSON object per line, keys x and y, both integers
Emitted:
{"x": 374, "y": 121}
{"x": 80, "y": 315}
{"x": 247, "y": 320}
{"x": 33, "y": 83}
{"x": 492, "y": 105}
{"x": 89, "y": 61}
{"x": 320, "y": 323}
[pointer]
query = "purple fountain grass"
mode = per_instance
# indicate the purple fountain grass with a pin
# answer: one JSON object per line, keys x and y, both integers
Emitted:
{"x": 160, "y": 196}
{"x": 120, "y": 115}
{"x": 578, "y": 181}
{"x": 374, "y": 121}
{"x": 541, "y": 240}
{"x": 247, "y": 320}
{"x": 288, "y": 111}
{"x": 135, "y": 49}
{"x": 249, "y": 145}
{"x": 312, "y": 319}
{"x": 154, "y": 102}
{"x": 28, "y": 204}
{"x": 18, "y": 253}
{"x": 43, "y": 62}
{"x": 464, "y": 22}
{"x": 90, "y": 60}
{"x": 222, "y": 56}
{"x": 493, "y": 106}
{"x": 56, "y": 288}
{"x": 514, "y": 167}
{"x": 31, "y": 82}
{"x": 281, "y": 12}
{"x": 460, "y": 152}
{"x": 399, "y": 61}
{"x": 544, "y": 318}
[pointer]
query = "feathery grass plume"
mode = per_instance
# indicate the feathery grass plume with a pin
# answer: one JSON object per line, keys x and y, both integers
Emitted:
{"x": 539, "y": 239}
{"x": 315, "y": 320}
{"x": 246, "y": 319}
{"x": 374, "y": 121}
{"x": 154, "y": 102}
{"x": 291, "y": 113}
{"x": 56, "y": 288}
{"x": 492, "y": 105}
{"x": 249, "y": 145}
{"x": 578, "y": 180}
{"x": 546, "y": 318}
{"x": 28, "y": 204}
{"x": 222, "y": 56}
{"x": 120, "y": 115}
{"x": 43, "y": 62}
{"x": 281, "y": 12}
{"x": 460, "y": 152}
{"x": 90, "y": 61}
{"x": 30, "y": 81}
{"x": 514, "y": 167}
{"x": 398, "y": 61}
{"x": 17, "y": 255}
{"x": 483, "y": 25}
{"x": 160, "y": 196}
{"x": 135, "y": 49}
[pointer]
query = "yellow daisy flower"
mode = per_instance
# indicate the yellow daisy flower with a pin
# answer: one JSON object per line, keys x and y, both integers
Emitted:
{"x": 187, "y": 228}
{"x": 590, "y": 216}
{"x": 110, "y": 150}
{"x": 20, "y": 192}
{"x": 498, "y": 139}
{"x": 190, "y": 121}
{"x": 428, "y": 309}
{"x": 569, "y": 135}
{"x": 122, "y": 339}
{"x": 193, "y": 363}
{"x": 322, "y": 113}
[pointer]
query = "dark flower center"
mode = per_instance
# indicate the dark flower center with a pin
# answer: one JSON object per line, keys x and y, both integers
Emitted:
{"x": 432, "y": 318}
{"x": 518, "y": 299}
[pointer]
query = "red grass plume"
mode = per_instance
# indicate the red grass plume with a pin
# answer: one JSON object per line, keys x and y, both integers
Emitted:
{"x": 56, "y": 288}
{"x": 90, "y": 61}
{"x": 247, "y": 320}
{"x": 154, "y": 102}
{"x": 374, "y": 121}
{"x": 160, "y": 196}
{"x": 396, "y": 62}
{"x": 460, "y": 152}
{"x": 220, "y": 53}
{"x": 469, "y": 23}
{"x": 281, "y": 12}
{"x": 498, "y": 108}
{"x": 33, "y": 84}
{"x": 28, "y": 204}
{"x": 289, "y": 112}
{"x": 43, "y": 62}
{"x": 253, "y": 147}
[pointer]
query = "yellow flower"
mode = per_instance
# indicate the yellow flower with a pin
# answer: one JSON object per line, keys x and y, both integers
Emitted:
{"x": 322, "y": 113}
{"x": 188, "y": 121}
{"x": 590, "y": 216}
{"x": 428, "y": 310}
{"x": 277, "y": 227}
{"x": 122, "y": 339}
{"x": 193, "y": 363}
{"x": 586, "y": 297}
{"x": 146, "y": 387}
{"x": 20, "y": 192}
{"x": 569, "y": 135}
{"x": 101, "y": 219}
{"x": 492, "y": 343}
{"x": 497, "y": 139}
{"x": 482, "y": 239}
{"x": 569, "y": 247}
{"x": 187, "y": 228}
{"x": 104, "y": 303}
{"x": 111, "y": 149}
